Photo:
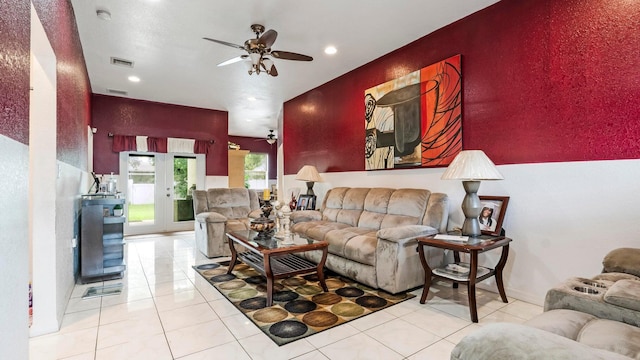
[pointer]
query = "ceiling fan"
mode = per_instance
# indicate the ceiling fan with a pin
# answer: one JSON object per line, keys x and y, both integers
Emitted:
{"x": 260, "y": 53}
{"x": 271, "y": 138}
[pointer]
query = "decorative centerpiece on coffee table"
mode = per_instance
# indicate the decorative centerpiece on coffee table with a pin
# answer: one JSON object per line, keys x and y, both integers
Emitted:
{"x": 263, "y": 225}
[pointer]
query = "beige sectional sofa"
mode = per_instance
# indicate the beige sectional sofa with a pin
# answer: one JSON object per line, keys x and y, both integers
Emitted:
{"x": 219, "y": 210}
{"x": 372, "y": 233}
{"x": 595, "y": 318}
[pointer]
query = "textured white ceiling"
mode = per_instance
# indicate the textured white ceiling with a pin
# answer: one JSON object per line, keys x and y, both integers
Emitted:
{"x": 164, "y": 40}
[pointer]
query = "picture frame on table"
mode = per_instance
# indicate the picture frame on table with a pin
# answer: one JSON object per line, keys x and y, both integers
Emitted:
{"x": 492, "y": 214}
{"x": 306, "y": 202}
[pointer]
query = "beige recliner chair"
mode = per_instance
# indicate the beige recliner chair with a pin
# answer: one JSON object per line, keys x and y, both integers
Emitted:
{"x": 219, "y": 211}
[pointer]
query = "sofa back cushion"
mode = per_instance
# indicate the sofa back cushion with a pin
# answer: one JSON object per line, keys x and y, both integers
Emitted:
{"x": 379, "y": 208}
{"x": 233, "y": 203}
{"x": 340, "y": 205}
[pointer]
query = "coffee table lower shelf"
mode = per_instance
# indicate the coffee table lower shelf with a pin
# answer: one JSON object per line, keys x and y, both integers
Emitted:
{"x": 274, "y": 259}
{"x": 284, "y": 265}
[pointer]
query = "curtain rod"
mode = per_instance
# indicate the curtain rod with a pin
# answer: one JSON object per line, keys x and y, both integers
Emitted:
{"x": 210, "y": 141}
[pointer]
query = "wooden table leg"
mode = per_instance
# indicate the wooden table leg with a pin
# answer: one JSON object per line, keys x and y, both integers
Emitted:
{"x": 234, "y": 255}
{"x": 269, "y": 276}
{"x": 320, "y": 269}
{"x": 473, "y": 271}
{"x": 427, "y": 274}
{"x": 498, "y": 272}
{"x": 456, "y": 259}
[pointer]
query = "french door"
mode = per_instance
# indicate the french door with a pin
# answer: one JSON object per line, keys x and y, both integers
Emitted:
{"x": 157, "y": 188}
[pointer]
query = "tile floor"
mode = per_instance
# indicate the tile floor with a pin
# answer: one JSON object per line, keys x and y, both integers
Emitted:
{"x": 168, "y": 311}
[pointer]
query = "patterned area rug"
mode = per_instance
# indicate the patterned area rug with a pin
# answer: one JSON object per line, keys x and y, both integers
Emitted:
{"x": 300, "y": 306}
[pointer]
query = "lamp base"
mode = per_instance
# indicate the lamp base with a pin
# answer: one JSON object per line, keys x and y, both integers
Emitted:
{"x": 471, "y": 208}
{"x": 310, "y": 188}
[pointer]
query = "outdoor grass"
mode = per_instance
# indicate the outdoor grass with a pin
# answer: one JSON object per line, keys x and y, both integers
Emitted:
{"x": 140, "y": 212}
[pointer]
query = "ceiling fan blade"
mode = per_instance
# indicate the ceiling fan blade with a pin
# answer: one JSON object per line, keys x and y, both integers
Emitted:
{"x": 286, "y": 55}
{"x": 268, "y": 38}
{"x": 273, "y": 71}
{"x": 225, "y": 43}
{"x": 233, "y": 60}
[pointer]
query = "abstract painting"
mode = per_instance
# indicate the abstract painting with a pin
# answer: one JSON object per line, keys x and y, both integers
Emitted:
{"x": 415, "y": 120}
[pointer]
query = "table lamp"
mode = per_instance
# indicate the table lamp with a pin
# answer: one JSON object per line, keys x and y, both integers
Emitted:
{"x": 471, "y": 166}
{"x": 309, "y": 173}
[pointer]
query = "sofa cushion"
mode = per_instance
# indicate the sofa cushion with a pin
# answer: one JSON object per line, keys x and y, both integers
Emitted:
{"x": 567, "y": 323}
{"x": 344, "y": 205}
{"x": 317, "y": 229}
{"x": 625, "y": 260}
{"x": 386, "y": 208}
{"x": 614, "y": 336}
{"x": 615, "y": 276}
{"x": 624, "y": 293}
{"x": 508, "y": 341}
{"x": 233, "y": 203}
{"x": 354, "y": 243}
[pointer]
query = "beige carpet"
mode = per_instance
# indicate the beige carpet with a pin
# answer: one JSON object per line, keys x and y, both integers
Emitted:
{"x": 300, "y": 306}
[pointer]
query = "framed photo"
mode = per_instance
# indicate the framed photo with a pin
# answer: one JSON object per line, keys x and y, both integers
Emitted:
{"x": 306, "y": 202}
{"x": 492, "y": 214}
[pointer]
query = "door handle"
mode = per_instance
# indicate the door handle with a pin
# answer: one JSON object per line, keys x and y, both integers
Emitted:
{"x": 168, "y": 195}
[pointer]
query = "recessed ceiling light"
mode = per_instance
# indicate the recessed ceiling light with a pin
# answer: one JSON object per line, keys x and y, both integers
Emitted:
{"x": 134, "y": 79}
{"x": 251, "y": 98}
{"x": 103, "y": 14}
{"x": 330, "y": 50}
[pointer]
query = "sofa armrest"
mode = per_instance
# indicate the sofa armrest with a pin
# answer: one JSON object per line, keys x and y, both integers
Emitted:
{"x": 211, "y": 217}
{"x": 398, "y": 265}
{"x": 255, "y": 214}
{"x": 401, "y": 234}
{"x": 305, "y": 215}
{"x": 505, "y": 341}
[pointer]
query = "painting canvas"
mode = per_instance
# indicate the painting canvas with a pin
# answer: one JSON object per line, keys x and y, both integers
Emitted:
{"x": 415, "y": 120}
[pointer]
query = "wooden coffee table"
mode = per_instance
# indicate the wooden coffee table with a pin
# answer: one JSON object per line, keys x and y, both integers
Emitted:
{"x": 274, "y": 259}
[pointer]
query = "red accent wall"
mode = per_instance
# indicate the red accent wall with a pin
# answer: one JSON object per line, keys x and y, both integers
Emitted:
{"x": 543, "y": 81}
{"x": 73, "y": 88}
{"x": 14, "y": 70}
{"x": 260, "y": 145}
{"x": 124, "y": 116}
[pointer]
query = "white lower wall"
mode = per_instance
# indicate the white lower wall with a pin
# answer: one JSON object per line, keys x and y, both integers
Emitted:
{"x": 216, "y": 182}
{"x": 14, "y": 257}
{"x": 563, "y": 217}
{"x": 72, "y": 182}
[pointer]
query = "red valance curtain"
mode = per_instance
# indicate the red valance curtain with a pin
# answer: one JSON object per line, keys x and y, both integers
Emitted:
{"x": 158, "y": 145}
{"x": 201, "y": 147}
{"x": 124, "y": 143}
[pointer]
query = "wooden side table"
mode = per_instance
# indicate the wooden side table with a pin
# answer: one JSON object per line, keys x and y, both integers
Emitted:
{"x": 475, "y": 274}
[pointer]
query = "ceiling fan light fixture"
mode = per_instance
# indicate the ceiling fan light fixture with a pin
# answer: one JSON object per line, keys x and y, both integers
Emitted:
{"x": 267, "y": 63}
{"x": 255, "y": 58}
{"x": 271, "y": 141}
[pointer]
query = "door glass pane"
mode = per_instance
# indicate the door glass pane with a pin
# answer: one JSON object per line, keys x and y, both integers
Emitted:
{"x": 255, "y": 170}
{"x": 184, "y": 182}
{"x": 141, "y": 189}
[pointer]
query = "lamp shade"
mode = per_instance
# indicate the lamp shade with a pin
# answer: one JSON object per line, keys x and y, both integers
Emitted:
{"x": 472, "y": 165}
{"x": 308, "y": 173}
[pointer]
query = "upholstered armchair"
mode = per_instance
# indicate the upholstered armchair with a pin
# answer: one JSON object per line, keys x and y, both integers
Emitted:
{"x": 219, "y": 211}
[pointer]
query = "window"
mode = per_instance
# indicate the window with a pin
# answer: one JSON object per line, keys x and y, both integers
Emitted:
{"x": 256, "y": 166}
